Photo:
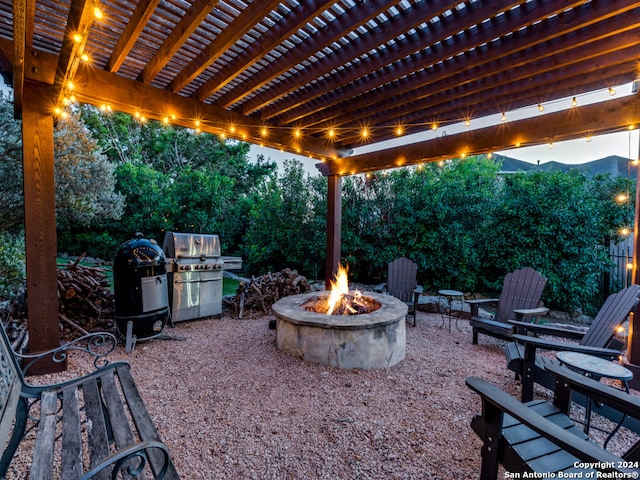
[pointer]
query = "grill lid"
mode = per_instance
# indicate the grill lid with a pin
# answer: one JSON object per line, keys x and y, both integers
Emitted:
{"x": 191, "y": 246}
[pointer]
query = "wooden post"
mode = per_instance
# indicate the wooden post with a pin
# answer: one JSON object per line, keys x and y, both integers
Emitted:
{"x": 40, "y": 223}
{"x": 334, "y": 227}
{"x": 632, "y": 360}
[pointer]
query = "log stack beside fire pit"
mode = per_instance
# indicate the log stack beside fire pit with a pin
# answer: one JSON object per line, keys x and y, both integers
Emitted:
{"x": 260, "y": 293}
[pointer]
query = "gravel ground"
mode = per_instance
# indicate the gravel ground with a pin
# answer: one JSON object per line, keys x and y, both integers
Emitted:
{"x": 231, "y": 406}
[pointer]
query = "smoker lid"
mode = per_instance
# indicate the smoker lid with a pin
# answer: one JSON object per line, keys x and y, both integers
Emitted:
{"x": 190, "y": 245}
{"x": 139, "y": 252}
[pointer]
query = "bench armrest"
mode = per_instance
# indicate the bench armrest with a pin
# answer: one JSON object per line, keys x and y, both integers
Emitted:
{"x": 97, "y": 345}
{"x": 133, "y": 460}
{"x": 505, "y": 403}
{"x": 525, "y": 327}
{"x": 545, "y": 344}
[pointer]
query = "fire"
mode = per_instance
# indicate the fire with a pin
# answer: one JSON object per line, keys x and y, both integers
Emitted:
{"x": 340, "y": 298}
{"x": 338, "y": 288}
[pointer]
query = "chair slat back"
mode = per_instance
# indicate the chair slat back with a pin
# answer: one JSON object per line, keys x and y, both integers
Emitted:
{"x": 402, "y": 278}
{"x": 614, "y": 312}
{"x": 521, "y": 289}
{"x": 10, "y": 386}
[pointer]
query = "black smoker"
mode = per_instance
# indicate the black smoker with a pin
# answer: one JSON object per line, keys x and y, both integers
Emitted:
{"x": 140, "y": 285}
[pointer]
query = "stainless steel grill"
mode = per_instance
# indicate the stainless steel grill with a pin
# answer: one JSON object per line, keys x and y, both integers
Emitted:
{"x": 194, "y": 267}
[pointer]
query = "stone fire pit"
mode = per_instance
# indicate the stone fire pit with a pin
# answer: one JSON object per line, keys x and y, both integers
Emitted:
{"x": 365, "y": 341}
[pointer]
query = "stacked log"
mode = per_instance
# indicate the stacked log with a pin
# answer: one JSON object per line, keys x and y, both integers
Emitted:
{"x": 259, "y": 293}
{"x": 86, "y": 303}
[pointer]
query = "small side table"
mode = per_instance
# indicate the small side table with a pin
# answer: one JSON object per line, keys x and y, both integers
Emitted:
{"x": 597, "y": 367}
{"x": 451, "y": 295}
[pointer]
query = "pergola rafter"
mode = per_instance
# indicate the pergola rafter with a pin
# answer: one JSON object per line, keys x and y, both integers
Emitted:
{"x": 283, "y": 73}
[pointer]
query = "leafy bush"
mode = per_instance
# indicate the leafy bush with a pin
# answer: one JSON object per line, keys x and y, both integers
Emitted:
{"x": 12, "y": 264}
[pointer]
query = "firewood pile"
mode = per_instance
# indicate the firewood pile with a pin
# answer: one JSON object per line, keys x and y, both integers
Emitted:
{"x": 259, "y": 293}
{"x": 85, "y": 304}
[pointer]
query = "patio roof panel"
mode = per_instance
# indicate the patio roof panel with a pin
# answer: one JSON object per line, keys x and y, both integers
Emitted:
{"x": 344, "y": 63}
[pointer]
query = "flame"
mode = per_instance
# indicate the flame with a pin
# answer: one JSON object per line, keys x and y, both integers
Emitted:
{"x": 338, "y": 288}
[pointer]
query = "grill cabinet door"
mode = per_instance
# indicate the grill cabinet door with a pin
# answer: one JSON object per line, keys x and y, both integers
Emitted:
{"x": 210, "y": 293}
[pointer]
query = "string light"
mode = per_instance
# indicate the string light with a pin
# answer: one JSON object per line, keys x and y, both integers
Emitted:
{"x": 331, "y": 133}
{"x": 624, "y": 231}
{"x": 399, "y": 131}
{"x": 434, "y": 126}
{"x": 467, "y": 122}
{"x": 97, "y": 12}
{"x": 297, "y": 133}
{"x": 364, "y": 133}
{"x": 540, "y": 107}
{"x": 612, "y": 91}
{"x": 622, "y": 197}
{"x": 574, "y": 102}
{"x": 85, "y": 58}
{"x": 77, "y": 37}
{"x": 504, "y": 117}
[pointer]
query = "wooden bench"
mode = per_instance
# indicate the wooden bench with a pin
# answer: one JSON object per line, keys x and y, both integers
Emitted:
{"x": 93, "y": 426}
{"x": 539, "y": 437}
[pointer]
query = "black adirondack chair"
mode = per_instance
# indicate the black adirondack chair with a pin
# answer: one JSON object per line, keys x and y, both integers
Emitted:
{"x": 523, "y": 359}
{"x": 539, "y": 436}
{"x": 402, "y": 283}
{"x": 519, "y": 300}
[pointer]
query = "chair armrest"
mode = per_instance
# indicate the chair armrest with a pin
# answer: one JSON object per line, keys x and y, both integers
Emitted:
{"x": 526, "y": 327}
{"x": 529, "y": 312}
{"x": 418, "y": 290}
{"x": 600, "y": 392}
{"x": 545, "y": 344}
{"x": 584, "y": 450}
{"x": 474, "y": 303}
{"x": 380, "y": 288}
{"x": 132, "y": 460}
{"x": 480, "y": 301}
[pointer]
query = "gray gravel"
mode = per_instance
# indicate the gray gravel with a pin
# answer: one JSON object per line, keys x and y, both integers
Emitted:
{"x": 231, "y": 406}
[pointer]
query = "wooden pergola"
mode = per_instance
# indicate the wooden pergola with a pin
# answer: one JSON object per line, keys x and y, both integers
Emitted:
{"x": 311, "y": 77}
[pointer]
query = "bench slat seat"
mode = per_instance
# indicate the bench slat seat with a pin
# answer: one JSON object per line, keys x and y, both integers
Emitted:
{"x": 92, "y": 427}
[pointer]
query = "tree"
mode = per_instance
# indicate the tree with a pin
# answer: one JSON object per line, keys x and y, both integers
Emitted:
{"x": 11, "y": 197}
{"x": 556, "y": 223}
{"x": 286, "y": 223}
{"x": 85, "y": 179}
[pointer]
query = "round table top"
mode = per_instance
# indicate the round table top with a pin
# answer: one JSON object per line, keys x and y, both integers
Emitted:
{"x": 450, "y": 293}
{"x": 595, "y": 365}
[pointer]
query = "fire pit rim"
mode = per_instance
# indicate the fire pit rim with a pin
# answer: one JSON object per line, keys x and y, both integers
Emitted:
{"x": 291, "y": 308}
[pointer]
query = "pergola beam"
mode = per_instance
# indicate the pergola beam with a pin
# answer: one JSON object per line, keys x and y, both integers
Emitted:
{"x": 349, "y": 21}
{"x": 236, "y": 30}
{"x": 188, "y": 24}
{"x": 143, "y": 12}
{"x": 595, "y": 119}
{"x": 99, "y": 87}
{"x": 298, "y": 18}
{"x": 399, "y": 76}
